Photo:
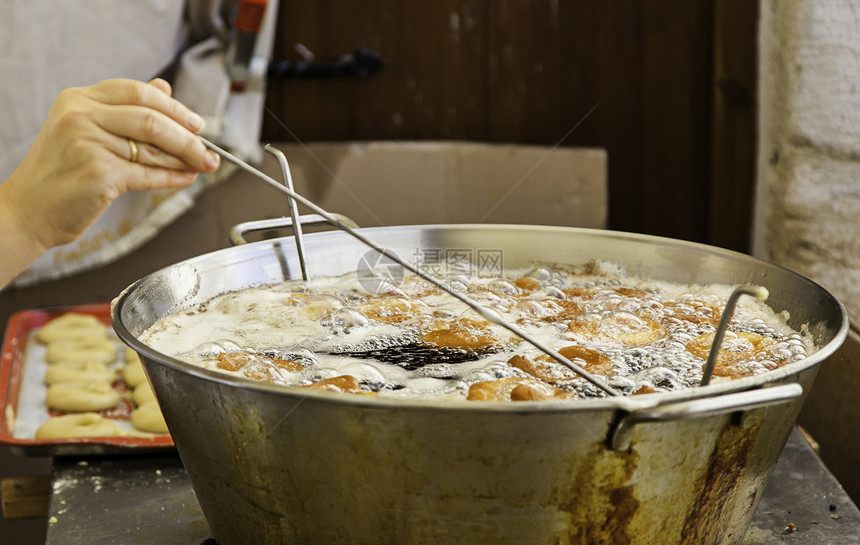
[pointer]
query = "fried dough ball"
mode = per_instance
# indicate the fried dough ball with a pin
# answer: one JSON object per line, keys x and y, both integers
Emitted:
{"x": 549, "y": 370}
{"x": 567, "y": 310}
{"x": 644, "y": 389}
{"x": 255, "y": 366}
{"x": 344, "y": 384}
{"x": 736, "y": 349}
{"x": 71, "y": 325}
{"x": 630, "y": 292}
{"x": 87, "y": 424}
{"x": 513, "y": 389}
{"x": 315, "y": 306}
{"x": 238, "y": 361}
{"x": 81, "y": 397}
{"x": 392, "y": 310}
{"x": 586, "y": 293}
{"x": 527, "y": 284}
{"x": 592, "y": 360}
{"x": 467, "y": 334}
{"x": 541, "y": 309}
{"x": 622, "y": 327}
{"x": 78, "y": 371}
{"x": 697, "y": 312}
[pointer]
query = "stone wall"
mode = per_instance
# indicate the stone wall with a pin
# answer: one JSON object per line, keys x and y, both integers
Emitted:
{"x": 808, "y": 201}
{"x": 808, "y": 213}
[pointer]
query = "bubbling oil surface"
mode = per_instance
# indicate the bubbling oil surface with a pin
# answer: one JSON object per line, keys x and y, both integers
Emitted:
{"x": 416, "y": 341}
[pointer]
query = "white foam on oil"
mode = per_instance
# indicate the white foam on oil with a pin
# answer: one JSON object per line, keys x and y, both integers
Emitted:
{"x": 320, "y": 325}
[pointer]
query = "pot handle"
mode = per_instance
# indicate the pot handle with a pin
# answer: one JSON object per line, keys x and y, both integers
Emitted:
{"x": 238, "y": 232}
{"x": 622, "y": 434}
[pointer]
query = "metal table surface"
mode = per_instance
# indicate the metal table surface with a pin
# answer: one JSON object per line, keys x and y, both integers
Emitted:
{"x": 147, "y": 500}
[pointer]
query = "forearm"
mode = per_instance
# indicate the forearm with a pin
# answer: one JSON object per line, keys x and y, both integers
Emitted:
{"x": 18, "y": 247}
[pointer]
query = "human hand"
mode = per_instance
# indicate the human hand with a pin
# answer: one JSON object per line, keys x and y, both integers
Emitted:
{"x": 80, "y": 159}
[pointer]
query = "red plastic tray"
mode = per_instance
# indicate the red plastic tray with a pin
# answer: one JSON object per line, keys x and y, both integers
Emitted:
{"x": 13, "y": 362}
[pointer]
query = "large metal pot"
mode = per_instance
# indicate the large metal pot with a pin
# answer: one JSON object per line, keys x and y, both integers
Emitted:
{"x": 277, "y": 465}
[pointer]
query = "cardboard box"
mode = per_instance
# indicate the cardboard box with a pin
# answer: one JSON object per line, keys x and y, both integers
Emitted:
{"x": 391, "y": 183}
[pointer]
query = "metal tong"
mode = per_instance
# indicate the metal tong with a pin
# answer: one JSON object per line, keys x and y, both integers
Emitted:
{"x": 487, "y": 313}
{"x": 294, "y": 209}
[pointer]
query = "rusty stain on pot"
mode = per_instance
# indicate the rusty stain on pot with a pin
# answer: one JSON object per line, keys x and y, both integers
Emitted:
{"x": 601, "y": 503}
{"x": 713, "y": 510}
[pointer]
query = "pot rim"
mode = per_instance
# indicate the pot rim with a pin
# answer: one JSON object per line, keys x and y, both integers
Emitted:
{"x": 627, "y": 403}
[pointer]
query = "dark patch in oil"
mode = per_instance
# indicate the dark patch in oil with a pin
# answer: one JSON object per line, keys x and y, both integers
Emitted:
{"x": 416, "y": 356}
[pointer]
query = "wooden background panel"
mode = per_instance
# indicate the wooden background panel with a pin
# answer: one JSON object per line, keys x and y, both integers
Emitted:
{"x": 641, "y": 64}
{"x": 734, "y": 127}
{"x": 432, "y": 86}
{"x": 644, "y": 79}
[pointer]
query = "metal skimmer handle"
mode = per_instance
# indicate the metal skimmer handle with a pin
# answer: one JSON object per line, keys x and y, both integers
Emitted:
{"x": 294, "y": 209}
{"x": 759, "y": 293}
{"x": 486, "y": 313}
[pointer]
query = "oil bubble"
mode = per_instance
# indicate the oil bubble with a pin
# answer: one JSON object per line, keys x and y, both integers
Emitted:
{"x": 315, "y": 306}
{"x": 344, "y": 319}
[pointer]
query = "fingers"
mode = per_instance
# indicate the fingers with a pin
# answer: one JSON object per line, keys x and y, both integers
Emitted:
{"x": 155, "y": 95}
{"x": 147, "y": 154}
{"x": 162, "y": 127}
{"x": 160, "y": 140}
{"x": 148, "y": 177}
{"x": 162, "y": 86}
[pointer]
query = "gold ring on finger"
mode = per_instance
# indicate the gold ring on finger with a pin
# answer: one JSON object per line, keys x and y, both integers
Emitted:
{"x": 132, "y": 149}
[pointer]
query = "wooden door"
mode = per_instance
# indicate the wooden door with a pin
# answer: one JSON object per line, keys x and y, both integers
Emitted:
{"x": 667, "y": 87}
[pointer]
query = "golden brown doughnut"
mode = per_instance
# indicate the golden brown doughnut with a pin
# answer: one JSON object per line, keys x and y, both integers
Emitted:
{"x": 513, "y": 389}
{"x": 346, "y": 384}
{"x": 549, "y": 370}
{"x": 621, "y": 327}
{"x": 238, "y": 361}
{"x": 736, "y": 349}
{"x": 527, "y": 284}
{"x": 695, "y": 311}
{"x": 392, "y": 309}
{"x": 467, "y": 334}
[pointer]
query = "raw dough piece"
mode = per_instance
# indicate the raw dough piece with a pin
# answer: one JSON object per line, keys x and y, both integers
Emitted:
{"x": 85, "y": 348}
{"x": 69, "y": 326}
{"x": 78, "y": 372}
{"x": 133, "y": 374}
{"x": 143, "y": 393}
{"x": 77, "y": 425}
{"x": 92, "y": 396}
{"x": 130, "y": 355}
{"x": 148, "y": 417}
